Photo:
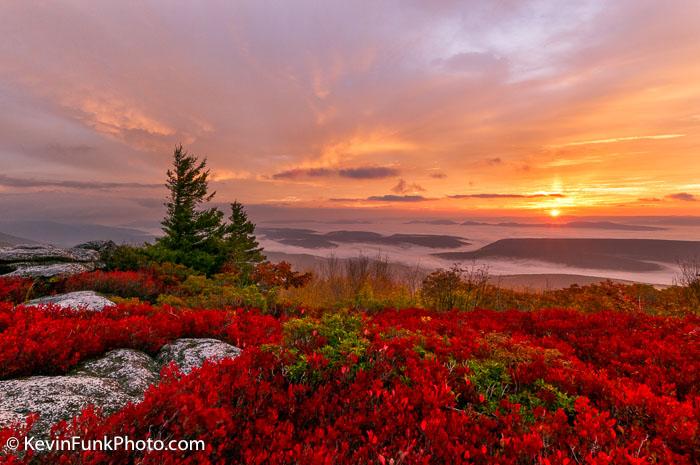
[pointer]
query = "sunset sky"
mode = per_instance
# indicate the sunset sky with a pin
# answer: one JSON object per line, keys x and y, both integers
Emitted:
{"x": 583, "y": 107}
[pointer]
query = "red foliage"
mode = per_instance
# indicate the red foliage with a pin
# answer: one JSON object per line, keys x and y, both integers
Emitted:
{"x": 268, "y": 275}
{"x": 141, "y": 284}
{"x": 51, "y": 341}
{"x": 408, "y": 396}
{"x": 14, "y": 290}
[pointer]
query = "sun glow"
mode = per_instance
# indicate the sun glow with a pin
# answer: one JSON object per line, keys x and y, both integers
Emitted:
{"x": 554, "y": 212}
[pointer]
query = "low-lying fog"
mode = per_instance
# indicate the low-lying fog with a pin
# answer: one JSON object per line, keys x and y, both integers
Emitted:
{"x": 479, "y": 235}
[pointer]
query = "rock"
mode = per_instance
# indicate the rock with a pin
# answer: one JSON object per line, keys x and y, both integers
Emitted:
{"x": 45, "y": 253}
{"x": 133, "y": 370}
{"x": 88, "y": 300}
{"x": 57, "y": 398}
{"x": 109, "y": 382}
{"x": 192, "y": 353}
{"x": 45, "y": 261}
{"x": 102, "y": 247}
{"x": 36, "y": 261}
{"x": 25, "y": 270}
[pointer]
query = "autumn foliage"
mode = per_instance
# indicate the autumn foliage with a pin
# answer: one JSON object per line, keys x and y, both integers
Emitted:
{"x": 50, "y": 341}
{"x": 14, "y": 290}
{"x": 406, "y": 386}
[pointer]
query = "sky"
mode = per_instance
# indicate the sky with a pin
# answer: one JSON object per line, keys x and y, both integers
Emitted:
{"x": 532, "y": 108}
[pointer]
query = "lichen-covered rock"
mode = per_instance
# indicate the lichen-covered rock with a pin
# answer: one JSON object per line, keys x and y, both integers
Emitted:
{"x": 133, "y": 370}
{"x": 45, "y": 261}
{"x": 87, "y": 300}
{"x": 98, "y": 245}
{"x": 28, "y": 270}
{"x": 192, "y": 353}
{"x": 57, "y": 398}
{"x": 109, "y": 382}
{"x": 46, "y": 253}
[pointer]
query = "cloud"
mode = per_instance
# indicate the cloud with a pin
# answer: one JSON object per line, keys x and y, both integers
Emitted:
{"x": 612, "y": 140}
{"x": 437, "y": 175}
{"x": 505, "y": 196}
{"x": 112, "y": 116}
{"x": 397, "y": 198}
{"x": 383, "y": 198}
{"x": 361, "y": 172}
{"x": 368, "y": 172}
{"x": 684, "y": 196}
{"x": 494, "y": 161}
{"x": 148, "y": 202}
{"x": 9, "y": 181}
{"x": 476, "y": 64}
{"x": 299, "y": 173}
{"x": 650, "y": 199}
{"x": 228, "y": 175}
{"x": 402, "y": 187}
{"x": 431, "y": 88}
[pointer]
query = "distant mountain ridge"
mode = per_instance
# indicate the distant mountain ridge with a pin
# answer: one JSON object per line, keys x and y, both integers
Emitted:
{"x": 605, "y": 254}
{"x": 437, "y": 222}
{"x": 7, "y": 240}
{"x": 67, "y": 235}
{"x": 310, "y": 239}
{"x": 572, "y": 224}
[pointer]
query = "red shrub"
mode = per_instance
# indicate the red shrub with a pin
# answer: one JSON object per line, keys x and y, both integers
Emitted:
{"x": 141, "y": 284}
{"x": 410, "y": 386}
{"x": 268, "y": 275}
{"x": 15, "y": 290}
{"x": 51, "y": 341}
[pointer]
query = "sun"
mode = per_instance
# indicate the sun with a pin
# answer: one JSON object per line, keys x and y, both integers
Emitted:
{"x": 554, "y": 212}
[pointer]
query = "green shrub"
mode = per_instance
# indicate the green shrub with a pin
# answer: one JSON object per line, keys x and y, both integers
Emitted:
{"x": 126, "y": 258}
{"x": 335, "y": 337}
{"x": 198, "y": 291}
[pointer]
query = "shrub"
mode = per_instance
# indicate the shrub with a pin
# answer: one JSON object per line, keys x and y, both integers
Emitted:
{"x": 415, "y": 386}
{"x": 141, "y": 284}
{"x": 126, "y": 258}
{"x": 357, "y": 283}
{"x": 689, "y": 277}
{"x": 220, "y": 291}
{"x": 463, "y": 288}
{"x": 15, "y": 290}
{"x": 51, "y": 341}
{"x": 269, "y": 275}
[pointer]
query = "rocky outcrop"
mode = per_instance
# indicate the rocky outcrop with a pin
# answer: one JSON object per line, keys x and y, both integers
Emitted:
{"x": 57, "y": 397}
{"x": 87, "y": 300}
{"x": 131, "y": 369}
{"x": 109, "y": 382}
{"x": 191, "y": 353}
{"x": 100, "y": 246}
{"x": 46, "y": 261}
{"x": 24, "y": 270}
{"x": 46, "y": 253}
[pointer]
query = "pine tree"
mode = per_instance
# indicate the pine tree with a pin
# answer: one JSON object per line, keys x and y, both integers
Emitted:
{"x": 242, "y": 248}
{"x": 187, "y": 227}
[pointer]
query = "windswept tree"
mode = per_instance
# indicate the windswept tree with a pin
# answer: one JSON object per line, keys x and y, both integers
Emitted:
{"x": 242, "y": 249}
{"x": 191, "y": 231}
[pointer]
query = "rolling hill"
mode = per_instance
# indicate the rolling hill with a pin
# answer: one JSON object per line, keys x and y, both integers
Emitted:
{"x": 605, "y": 254}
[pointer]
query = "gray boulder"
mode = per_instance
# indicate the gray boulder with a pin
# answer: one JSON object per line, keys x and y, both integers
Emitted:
{"x": 88, "y": 300}
{"x": 57, "y": 398}
{"x": 45, "y": 253}
{"x": 109, "y": 382}
{"x": 192, "y": 353}
{"x": 34, "y": 261}
{"x": 27, "y": 270}
{"x": 98, "y": 245}
{"x": 133, "y": 370}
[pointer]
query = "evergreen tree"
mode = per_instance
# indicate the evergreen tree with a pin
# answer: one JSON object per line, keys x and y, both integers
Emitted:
{"x": 242, "y": 248}
{"x": 189, "y": 229}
